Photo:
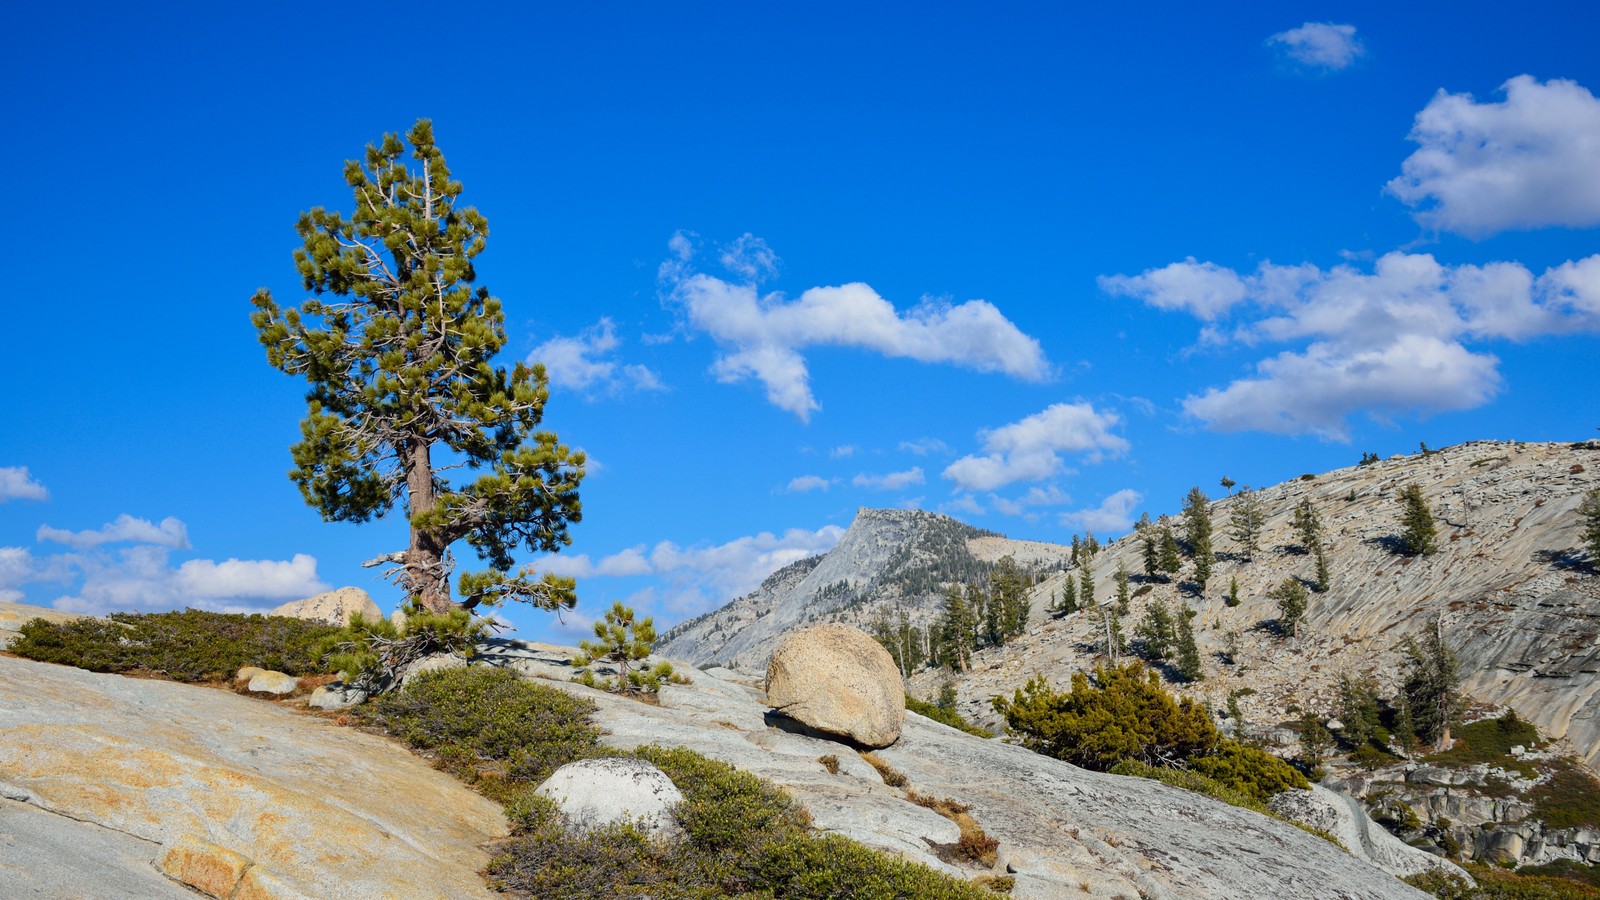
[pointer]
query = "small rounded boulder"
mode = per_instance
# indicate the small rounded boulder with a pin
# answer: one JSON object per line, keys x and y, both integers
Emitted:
{"x": 595, "y": 792}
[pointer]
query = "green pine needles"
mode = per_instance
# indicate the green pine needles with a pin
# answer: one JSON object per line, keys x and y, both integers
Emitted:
{"x": 623, "y": 641}
{"x": 1418, "y": 535}
{"x": 397, "y": 344}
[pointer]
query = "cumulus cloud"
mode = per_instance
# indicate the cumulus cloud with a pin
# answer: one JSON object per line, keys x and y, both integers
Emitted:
{"x": 1322, "y": 45}
{"x": 763, "y": 337}
{"x": 804, "y": 483}
{"x": 891, "y": 481}
{"x": 1030, "y": 449}
{"x": 1387, "y": 342}
{"x": 17, "y": 484}
{"x": 1204, "y": 290}
{"x": 700, "y": 577}
{"x": 255, "y": 578}
{"x": 1530, "y": 161}
{"x": 141, "y": 579}
{"x": 586, "y": 363}
{"x": 124, "y": 530}
{"x": 1113, "y": 515}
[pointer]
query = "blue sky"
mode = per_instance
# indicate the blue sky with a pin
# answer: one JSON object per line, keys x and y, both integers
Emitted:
{"x": 1038, "y": 268}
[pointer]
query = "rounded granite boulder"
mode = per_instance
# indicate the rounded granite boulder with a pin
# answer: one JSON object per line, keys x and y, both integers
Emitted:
{"x": 839, "y": 681}
{"x": 595, "y": 792}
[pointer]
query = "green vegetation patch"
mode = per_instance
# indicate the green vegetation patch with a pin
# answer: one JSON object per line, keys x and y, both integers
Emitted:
{"x": 1490, "y": 741}
{"x": 1568, "y": 797}
{"x": 944, "y": 716}
{"x": 490, "y": 727}
{"x": 1497, "y": 884}
{"x": 1124, "y": 714}
{"x": 191, "y": 645}
{"x": 741, "y": 836}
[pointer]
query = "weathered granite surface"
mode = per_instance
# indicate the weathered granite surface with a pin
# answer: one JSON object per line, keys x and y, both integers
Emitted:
{"x": 138, "y": 765}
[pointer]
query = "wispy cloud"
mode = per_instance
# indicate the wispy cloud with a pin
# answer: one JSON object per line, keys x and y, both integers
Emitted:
{"x": 1321, "y": 45}
{"x": 763, "y": 337}
{"x": 1529, "y": 161}
{"x": 1031, "y": 449}
{"x": 925, "y": 446}
{"x": 891, "y": 481}
{"x": 1113, "y": 515}
{"x": 804, "y": 483}
{"x": 17, "y": 484}
{"x": 125, "y": 529}
{"x": 586, "y": 363}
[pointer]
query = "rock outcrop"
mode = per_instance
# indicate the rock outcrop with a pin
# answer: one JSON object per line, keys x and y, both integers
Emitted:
{"x": 219, "y": 789}
{"x": 1515, "y": 594}
{"x": 334, "y": 607}
{"x": 14, "y": 615}
{"x": 839, "y": 681}
{"x": 1063, "y": 831}
{"x": 1343, "y": 817}
{"x": 890, "y": 560}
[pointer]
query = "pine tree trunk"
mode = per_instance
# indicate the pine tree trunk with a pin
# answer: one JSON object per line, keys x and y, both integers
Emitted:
{"x": 425, "y": 577}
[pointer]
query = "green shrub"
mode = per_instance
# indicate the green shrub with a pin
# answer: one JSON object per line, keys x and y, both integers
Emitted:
{"x": 481, "y": 714}
{"x": 192, "y": 645}
{"x": 369, "y": 653}
{"x": 1123, "y": 714}
{"x": 1494, "y": 884}
{"x": 1489, "y": 741}
{"x": 1569, "y": 797}
{"x": 1248, "y": 770}
{"x": 944, "y": 716}
{"x": 742, "y": 836}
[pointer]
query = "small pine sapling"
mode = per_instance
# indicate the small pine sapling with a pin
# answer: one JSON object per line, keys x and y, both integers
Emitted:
{"x": 623, "y": 641}
{"x": 1418, "y": 535}
{"x": 1233, "y": 591}
{"x": 1292, "y": 601}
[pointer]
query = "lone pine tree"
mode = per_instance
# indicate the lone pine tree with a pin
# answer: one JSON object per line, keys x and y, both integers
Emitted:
{"x": 1418, "y": 535}
{"x": 397, "y": 344}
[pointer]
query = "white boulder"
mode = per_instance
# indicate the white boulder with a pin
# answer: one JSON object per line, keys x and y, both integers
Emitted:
{"x": 839, "y": 681}
{"x": 595, "y": 792}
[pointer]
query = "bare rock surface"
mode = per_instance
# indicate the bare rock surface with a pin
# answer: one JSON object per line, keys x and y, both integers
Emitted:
{"x": 14, "y": 615}
{"x": 1063, "y": 831}
{"x": 44, "y": 854}
{"x": 334, "y": 607}
{"x": 840, "y": 681}
{"x": 596, "y": 792}
{"x": 1344, "y": 818}
{"x": 139, "y": 765}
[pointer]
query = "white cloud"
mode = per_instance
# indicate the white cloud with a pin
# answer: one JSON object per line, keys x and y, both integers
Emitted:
{"x": 806, "y": 483}
{"x": 1315, "y": 391}
{"x": 700, "y": 577}
{"x": 125, "y": 529}
{"x": 140, "y": 579}
{"x": 1030, "y": 449}
{"x": 17, "y": 484}
{"x": 925, "y": 446}
{"x": 843, "y": 452}
{"x": 892, "y": 481}
{"x": 1048, "y": 495}
{"x": 1206, "y": 290}
{"x": 750, "y": 258}
{"x": 206, "y": 579}
{"x": 1389, "y": 342}
{"x": 1113, "y": 515}
{"x": 763, "y": 336}
{"x": 585, "y": 362}
{"x": 963, "y": 503}
{"x": 1321, "y": 44}
{"x": 1530, "y": 161}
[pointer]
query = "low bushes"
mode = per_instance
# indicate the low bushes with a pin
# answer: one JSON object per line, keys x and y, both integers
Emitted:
{"x": 741, "y": 835}
{"x": 944, "y": 716}
{"x": 191, "y": 645}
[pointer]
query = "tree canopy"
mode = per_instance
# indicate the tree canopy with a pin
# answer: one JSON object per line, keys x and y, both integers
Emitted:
{"x": 397, "y": 344}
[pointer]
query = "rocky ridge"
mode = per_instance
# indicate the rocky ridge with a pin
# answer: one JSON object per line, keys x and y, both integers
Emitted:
{"x": 1508, "y": 584}
{"x": 890, "y": 562}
